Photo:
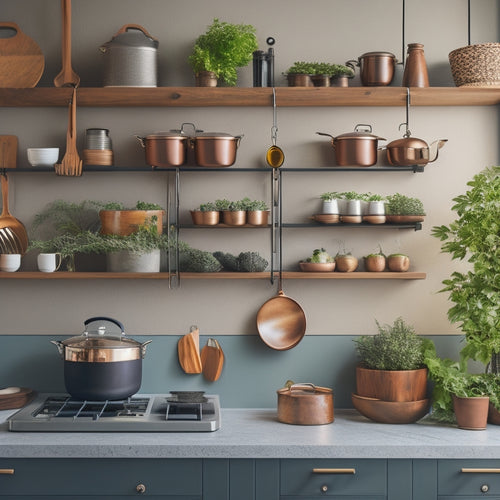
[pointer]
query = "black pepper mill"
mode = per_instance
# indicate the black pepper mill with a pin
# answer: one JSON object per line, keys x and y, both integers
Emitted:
{"x": 263, "y": 66}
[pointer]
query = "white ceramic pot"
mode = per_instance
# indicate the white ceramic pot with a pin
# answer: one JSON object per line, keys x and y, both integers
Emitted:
{"x": 330, "y": 207}
{"x": 375, "y": 208}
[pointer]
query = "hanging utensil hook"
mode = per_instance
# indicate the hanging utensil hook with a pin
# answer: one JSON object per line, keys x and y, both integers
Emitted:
{"x": 274, "y": 128}
{"x": 407, "y": 123}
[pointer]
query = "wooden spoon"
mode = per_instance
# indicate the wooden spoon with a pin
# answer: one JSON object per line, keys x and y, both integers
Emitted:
{"x": 188, "y": 349}
{"x": 67, "y": 77}
{"x": 71, "y": 163}
{"x": 12, "y": 229}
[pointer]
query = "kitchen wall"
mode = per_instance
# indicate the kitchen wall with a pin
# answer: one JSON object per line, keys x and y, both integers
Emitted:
{"x": 331, "y": 30}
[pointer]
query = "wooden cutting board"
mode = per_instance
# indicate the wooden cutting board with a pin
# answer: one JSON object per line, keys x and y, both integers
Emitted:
{"x": 21, "y": 59}
{"x": 188, "y": 350}
{"x": 8, "y": 151}
{"x": 212, "y": 360}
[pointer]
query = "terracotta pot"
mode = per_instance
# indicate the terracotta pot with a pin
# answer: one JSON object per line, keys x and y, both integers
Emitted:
{"x": 471, "y": 413}
{"x": 398, "y": 263}
{"x": 346, "y": 263}
{"x": 234, "y": 217}
{"x": 392, "y": 385}
{"x": 258, "y": 217}
{"x": 375, "y": 263}
{"x": 305, "y": 404}
{"x": 205, "y": 79}
{"x": 493, "y": 415}
{"x": 126, "y": 222}
{"x": 299, "y": 80}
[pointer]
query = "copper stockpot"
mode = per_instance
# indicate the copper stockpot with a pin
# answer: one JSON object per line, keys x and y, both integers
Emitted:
{"x": 164, "y": 149}
{"x": 376, "y": 68}
{"x": 305, "y": 404}
{"x": 215, "y": 149}
{"x": 358, "y": 148}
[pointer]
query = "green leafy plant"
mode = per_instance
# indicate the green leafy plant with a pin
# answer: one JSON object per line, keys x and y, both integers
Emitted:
{"x": 250, "y": 262}
{"x": 140, "y": 205}
{"x": 329, "y": 196}
{"x": 222, "y": 204}
{"x": 319, "y": 68}
{"x": 255, "y": 205}
{"x": 399, "y": 204}
{"x": 395, "y": 347}
{"x": 198, "y": 261}
{"x": 320, "y": 256}
{"x": 474, "y": 237}
{"x": 223, "y": 48}
{"x": 208, "y": 207}
{"x": 374, "y": 197}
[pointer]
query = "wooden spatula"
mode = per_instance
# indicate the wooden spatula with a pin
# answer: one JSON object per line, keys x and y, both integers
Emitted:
{"x": 188, "y": 350}
{"x": 212, "y": 360}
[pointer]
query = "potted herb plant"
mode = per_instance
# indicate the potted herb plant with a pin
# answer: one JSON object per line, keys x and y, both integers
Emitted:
{"x": 351, "y": 210}
{"x": 233, "y": 212}
{"x": 400, "y": 208}
{"x": 330, "y": 203}
{"x": 398, "y": 262}
{"x": 391, "y": 364}
{"x": 257, "y": 212}
{"x": 222, "y": 49}
{"x": 375, "y": 262}
{"x": 475, "y": 293}
{"x": 116, "y": 219}
{"x": 320, "y": 261}
{"x": 345, "y": 262}
{"x": 307, "y": 74}
{"x": 207, "y": 214}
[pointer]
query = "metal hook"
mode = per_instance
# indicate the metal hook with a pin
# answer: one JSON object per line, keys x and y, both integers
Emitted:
{"x": 274, "y": 129}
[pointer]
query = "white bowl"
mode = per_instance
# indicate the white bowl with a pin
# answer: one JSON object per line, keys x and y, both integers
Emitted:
{"x": 43, "y": 157}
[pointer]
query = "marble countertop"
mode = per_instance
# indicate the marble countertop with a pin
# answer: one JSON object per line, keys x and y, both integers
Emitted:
{"x": 256, "y": 433}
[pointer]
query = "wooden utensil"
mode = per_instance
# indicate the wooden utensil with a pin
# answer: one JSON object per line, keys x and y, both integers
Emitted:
{"x": 188, "y": 350}
{"x": 8, "y": 151}
{"x": 10, "y": 227}
{"x": 71, "y": 163}
{"x": 18, "y": 397}
{"x": 67, "y": 77}
{"x": 212, "y": 360}
{"x": 21, "y": 59}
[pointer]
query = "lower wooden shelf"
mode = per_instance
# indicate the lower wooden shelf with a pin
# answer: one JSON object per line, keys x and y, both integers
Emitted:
{"x": 66, "y": 275}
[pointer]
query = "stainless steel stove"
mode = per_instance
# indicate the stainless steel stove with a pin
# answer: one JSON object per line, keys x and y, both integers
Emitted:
{"x": 173, "y": 412}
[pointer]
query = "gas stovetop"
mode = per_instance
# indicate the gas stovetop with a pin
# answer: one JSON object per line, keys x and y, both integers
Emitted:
{"x": 173, "y": 412}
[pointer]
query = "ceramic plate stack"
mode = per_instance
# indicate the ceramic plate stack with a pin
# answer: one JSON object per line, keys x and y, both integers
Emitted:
{"x": 98, "y": 149}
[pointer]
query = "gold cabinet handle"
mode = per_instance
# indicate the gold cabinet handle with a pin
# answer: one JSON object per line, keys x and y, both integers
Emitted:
{"x": 334, "y": 471}
{"x": 6, "y": 471}
{"x": 480, "y": 471}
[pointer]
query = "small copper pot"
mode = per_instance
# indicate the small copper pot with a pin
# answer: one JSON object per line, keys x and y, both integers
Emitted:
{"x": 376, "y": 68}
{"x": 164, "y": 149}
{"x": 305, "y": 404}
{"x": 213, "y": 149}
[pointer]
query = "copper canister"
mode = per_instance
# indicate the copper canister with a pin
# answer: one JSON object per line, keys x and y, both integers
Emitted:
{"x": 305, "y": 404}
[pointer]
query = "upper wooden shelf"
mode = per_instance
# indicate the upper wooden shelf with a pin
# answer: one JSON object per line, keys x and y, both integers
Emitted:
{"x": 251, "y": 96}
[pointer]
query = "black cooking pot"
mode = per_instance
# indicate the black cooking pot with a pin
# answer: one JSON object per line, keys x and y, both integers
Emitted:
{"x": 99, "y": 365}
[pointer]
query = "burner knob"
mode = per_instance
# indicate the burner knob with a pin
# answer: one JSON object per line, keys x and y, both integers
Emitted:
{"x": 140, "y": 488}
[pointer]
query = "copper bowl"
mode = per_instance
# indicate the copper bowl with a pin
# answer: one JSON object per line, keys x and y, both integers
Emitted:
{"x": 317, "y": 267}
{"x": 391, "y": 412}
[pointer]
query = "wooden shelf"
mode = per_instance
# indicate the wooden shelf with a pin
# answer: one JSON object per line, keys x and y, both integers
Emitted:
{"x": 249, "y": 96}
{"x": 65, "y": 275}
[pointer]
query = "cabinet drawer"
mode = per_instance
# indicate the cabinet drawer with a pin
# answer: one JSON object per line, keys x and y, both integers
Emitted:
{"x": 100, "y": 477}
{"x": 469, "y": 477}
{"x": 334, "y": 477}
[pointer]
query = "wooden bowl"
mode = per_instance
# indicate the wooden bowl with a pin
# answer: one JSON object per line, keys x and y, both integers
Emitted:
{"x": 327, "y": 218}
{"x": 404, "y": 219}
{"x": 374, "y": 219}
{"x": 317, "y": 267}
{"x": 391, "y": 412}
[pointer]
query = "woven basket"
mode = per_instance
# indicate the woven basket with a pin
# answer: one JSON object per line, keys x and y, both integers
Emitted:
{"x": 476, "y": 65}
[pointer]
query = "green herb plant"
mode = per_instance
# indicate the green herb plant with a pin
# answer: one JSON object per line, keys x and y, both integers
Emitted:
{"x": 399, "y": 204}
{"x": 395, "y": 347}
{"x": 223, "y": 48}
{"x": 474, "y": 237}
{"x": 319, "y": 68}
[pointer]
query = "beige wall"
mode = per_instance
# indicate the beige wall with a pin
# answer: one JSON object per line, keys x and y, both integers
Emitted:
{"x": 333, "y": 30}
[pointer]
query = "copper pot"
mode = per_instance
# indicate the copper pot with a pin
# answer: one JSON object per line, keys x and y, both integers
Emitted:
{"x": 165, "y": 149}
{"x": 215, "y": 149}
{"x": 376, "y": 68}
{"x": 412, "y": 151}
{"x": 358, "y": 148}
{"x": 305, "y": 404}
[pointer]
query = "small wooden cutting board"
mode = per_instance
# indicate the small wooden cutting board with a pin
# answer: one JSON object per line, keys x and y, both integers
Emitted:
{"x": 21, "y": 59}
{"x": 212, "y": 360}
{"x": 188, "y": 350}
{"x": 8, "y": 151}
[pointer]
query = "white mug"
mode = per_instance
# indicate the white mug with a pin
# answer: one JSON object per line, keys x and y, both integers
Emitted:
{"x": 10, "y": 262}
{"x": 49, "y": 262}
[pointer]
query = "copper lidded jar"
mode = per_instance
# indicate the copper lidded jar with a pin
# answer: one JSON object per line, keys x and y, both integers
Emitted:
{"x": 415, "y": 72}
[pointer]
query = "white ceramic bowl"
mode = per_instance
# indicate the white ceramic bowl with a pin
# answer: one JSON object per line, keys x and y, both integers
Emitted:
{"x": 43, "y": 157}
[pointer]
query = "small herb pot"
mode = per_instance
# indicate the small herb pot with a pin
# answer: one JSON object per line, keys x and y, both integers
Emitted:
{"x": 398, "y": 263}
{"x": 209, "y": 218}
{"x": 234, "y": 217}
{"x": 375, "y": 263}
{"x": 258, "y": 217}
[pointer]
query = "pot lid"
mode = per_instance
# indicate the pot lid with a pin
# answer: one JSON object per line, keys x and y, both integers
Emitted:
{"x": 408, "y": 142}
{"x": 92, "y": 341}
{"x": 166, "y": 135}
{"x": 359, "y": 133}
{"x": 378, "y": 54}
{"x": 214, "y": 135}
{"x": 132, "y": 35}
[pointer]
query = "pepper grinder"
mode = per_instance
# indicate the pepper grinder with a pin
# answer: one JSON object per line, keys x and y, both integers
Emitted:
{"x": 415, "y": 72}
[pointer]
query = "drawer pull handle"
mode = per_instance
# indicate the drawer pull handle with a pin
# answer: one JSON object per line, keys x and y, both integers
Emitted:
{"x": 334, "y": 471}
{"x": 6, "y": 471}
{"x": 484, "y": 488}
{"x": 480, "y": 471}
{"x": 140, "y": 488}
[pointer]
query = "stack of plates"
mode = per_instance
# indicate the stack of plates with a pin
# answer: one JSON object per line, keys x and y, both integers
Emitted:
{"x": 98, "y": 149}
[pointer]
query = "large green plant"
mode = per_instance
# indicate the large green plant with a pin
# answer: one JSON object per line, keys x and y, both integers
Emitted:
{"x": 223, "y": 48}
{"x": 474, "y": 236}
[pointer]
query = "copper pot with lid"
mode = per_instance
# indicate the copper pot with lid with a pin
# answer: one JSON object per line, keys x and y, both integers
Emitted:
{"x": 305, "y": 404}
{"x": 376, "y": 68}
{"x": 358, "y": 148}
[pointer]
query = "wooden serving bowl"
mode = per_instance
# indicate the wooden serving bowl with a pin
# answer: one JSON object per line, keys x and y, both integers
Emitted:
{"x": 391, "y": 412}
{"x": 317, "y": 267}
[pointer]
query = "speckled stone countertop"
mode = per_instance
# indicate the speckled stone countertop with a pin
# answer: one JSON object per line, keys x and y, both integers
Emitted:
{"x": 256, "y": 433}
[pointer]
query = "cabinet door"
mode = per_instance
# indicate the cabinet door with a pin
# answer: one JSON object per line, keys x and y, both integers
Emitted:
{"x": 337, "y": 478}
{"x": 169, "y": 478}
{"x": 468, "y": 479}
